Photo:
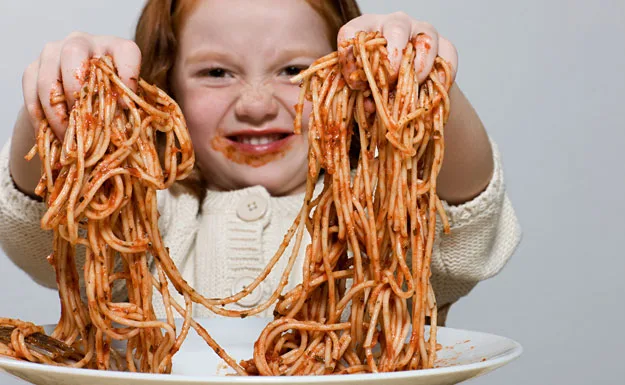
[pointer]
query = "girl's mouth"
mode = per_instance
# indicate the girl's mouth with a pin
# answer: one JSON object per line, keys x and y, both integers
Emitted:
{"x": 259, "y": 144}
{"x": 252, "y": 148}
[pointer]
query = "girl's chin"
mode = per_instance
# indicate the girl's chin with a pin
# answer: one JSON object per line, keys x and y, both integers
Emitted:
{"x": 281, "y": 177}
{"x": 275, "y": 180}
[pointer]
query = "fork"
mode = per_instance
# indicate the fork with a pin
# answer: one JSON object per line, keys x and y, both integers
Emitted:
{"x": 52, "y": 348}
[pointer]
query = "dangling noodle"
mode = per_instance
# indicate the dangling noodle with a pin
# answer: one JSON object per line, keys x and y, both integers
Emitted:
{"x": 366, "y": 281}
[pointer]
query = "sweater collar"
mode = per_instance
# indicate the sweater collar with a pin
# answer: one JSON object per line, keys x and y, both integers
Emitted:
{"x": 225, "y": 201}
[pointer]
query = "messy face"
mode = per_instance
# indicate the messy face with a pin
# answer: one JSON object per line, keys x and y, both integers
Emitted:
{"x": 231, "y": 78}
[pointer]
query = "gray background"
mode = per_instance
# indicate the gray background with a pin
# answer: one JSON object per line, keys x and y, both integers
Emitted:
{"x": 547, "y": 79}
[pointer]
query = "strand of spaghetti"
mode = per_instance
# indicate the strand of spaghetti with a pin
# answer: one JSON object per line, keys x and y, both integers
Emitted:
{"x": 380, "y": 109}
{"x": 210, "y": 341}
{"x": 128, "y": 92}
{"x": 326, "y": 61}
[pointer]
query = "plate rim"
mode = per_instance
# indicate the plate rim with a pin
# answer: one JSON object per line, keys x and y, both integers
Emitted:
{"x": 510, "y": 354}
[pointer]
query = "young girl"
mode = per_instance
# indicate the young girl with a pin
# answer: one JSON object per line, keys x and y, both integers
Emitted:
{"x": 228, "y": 65}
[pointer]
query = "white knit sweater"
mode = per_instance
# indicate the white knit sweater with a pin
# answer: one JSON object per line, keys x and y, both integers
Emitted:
{"x": 222, "y": 245}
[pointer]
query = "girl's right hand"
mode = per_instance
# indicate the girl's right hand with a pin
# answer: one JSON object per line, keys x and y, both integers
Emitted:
{"x": 60, "y": 71}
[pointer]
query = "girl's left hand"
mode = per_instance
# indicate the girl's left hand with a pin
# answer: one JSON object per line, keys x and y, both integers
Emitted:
{"x": 398, "y": 29}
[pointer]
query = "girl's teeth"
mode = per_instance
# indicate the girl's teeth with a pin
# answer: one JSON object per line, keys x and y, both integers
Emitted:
{"x": 258, "y": 140}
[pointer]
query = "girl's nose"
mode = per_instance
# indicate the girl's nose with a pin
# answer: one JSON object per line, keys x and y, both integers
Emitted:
{"x": 256, "y": 103}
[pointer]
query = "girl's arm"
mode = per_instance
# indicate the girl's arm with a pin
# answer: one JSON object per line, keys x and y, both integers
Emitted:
{"x": 25, "y": 174}
{"x": 468, "y": 162}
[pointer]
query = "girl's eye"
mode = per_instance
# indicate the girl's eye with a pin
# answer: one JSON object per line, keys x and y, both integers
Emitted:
{"x": 213, "y": 73}
{"x": 292, "y": 70}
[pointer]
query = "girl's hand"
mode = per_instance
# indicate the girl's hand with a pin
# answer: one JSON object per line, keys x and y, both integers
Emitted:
{"x": 60, "y": 70}
{"x": 398, "y": 29}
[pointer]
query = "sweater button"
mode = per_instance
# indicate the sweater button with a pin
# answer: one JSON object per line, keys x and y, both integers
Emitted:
{"x": 253, "y": 298}
{"x": 251, "y": 208}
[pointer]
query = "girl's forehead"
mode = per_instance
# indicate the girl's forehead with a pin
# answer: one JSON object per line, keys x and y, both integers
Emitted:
{"x": 244, "y": 9}
{"x": 267, "y": 16}
{"x": 254, "y": 24}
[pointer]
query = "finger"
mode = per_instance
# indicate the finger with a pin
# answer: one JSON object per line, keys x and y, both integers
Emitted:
{"x": 75, "y": 54}
{"x": 366, "y": 23}
{"x": 396, "y": 30}
{"x": 126, "y": 57}
{"x": 448, "y": 52}
{"x": 49, "y": 87}
{"x": 31, "y": 98}
{"x": 425, "y": 41}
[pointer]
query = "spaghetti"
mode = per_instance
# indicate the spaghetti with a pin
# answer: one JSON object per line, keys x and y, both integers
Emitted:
{"x": 372, "y": 230}
{"x": 100, "y": 188}
{"x": 365, "y": 287}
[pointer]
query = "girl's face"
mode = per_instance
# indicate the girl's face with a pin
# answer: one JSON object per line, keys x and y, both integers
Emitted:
{"x": 231, "y": 79}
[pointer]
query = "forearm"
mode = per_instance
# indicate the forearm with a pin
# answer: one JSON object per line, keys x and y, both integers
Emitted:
{"x": 25, "y": 173}
{"x": 468, "y": 162}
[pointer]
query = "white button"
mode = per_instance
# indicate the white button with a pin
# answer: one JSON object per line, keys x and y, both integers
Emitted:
{"x": 251, "y": 208}
{"x": 253, "y": 298}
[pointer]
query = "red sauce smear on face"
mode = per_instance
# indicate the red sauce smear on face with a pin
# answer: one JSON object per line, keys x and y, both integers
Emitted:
{"x": 229, "y": 150}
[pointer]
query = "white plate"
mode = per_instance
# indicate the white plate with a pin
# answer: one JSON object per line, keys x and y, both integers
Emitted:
{"x": 465, "y": 355}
